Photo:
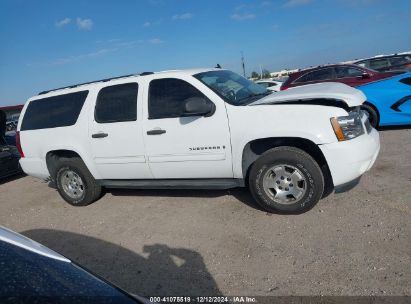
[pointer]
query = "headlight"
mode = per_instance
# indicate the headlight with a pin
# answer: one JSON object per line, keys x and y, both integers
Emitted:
{"x": 348, "y": 127}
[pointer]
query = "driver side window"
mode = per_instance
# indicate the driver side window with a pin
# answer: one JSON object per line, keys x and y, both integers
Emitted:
{"x": 166, "y": 97}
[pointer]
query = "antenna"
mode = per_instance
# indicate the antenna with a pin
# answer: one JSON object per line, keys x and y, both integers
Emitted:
{"x": 242, "y": 62}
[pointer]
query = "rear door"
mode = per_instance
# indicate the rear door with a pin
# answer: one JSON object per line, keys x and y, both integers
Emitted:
{"x": 116, "y": 133}
{"x": 185, "y": 147}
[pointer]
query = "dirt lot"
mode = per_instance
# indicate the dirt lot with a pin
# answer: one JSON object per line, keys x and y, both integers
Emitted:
{"x": 217, "y": 242}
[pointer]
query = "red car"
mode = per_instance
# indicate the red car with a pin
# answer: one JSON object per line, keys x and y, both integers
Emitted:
{"x": 351, "y": 75}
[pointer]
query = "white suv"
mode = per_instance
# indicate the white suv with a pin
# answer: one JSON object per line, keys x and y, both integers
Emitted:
{"x": 204, "y": 128}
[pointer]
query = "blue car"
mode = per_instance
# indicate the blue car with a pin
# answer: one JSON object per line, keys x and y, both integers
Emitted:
{"x": 388, "y": 101}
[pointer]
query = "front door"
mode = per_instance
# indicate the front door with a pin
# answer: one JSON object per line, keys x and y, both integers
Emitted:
{"x": 185, "y": 147}
{"x": 116, "y": 133}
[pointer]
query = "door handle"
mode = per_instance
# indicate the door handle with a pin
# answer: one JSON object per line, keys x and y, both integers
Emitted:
{"x": 156, "y": 132}
{"x": 99, "y": 135}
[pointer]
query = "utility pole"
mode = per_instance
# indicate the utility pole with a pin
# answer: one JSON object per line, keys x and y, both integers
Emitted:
{"x": 261, "y": 72}
{"x": 242, "y": 63}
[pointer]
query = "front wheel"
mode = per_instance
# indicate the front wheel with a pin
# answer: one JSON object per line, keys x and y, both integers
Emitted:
{"x": 286, "y": 180}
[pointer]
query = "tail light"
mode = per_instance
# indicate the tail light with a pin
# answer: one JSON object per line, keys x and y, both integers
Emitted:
{"x": 18, "y": 144}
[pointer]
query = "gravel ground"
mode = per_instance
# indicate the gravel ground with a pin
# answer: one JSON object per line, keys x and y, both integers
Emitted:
{"x": 212, "y": 243}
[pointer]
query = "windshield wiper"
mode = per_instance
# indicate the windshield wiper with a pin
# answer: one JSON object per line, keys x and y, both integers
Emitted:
{"x": 252, "y": 97}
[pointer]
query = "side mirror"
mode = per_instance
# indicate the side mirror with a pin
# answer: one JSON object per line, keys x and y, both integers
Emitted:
{"x": 198, "y": 106}
{"x": 364, "y": 76}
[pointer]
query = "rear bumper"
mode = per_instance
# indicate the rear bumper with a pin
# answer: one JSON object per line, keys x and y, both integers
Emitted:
{"x": 350, "y": 159}
{"x": 34, "y": 167}
{"x": 347, "y": 186}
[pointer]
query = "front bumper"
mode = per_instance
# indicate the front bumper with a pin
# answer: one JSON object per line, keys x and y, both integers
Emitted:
{"x": 348, "y": 160}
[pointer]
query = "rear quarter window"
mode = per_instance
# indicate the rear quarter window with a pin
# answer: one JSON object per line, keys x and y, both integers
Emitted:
{"x": 53, "y": 112}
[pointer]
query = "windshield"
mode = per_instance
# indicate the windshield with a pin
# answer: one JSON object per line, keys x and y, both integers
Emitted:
{"x": 233, "y": 88}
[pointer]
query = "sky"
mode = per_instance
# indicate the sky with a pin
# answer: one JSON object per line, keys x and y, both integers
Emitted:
{"x": 47, "y": 43}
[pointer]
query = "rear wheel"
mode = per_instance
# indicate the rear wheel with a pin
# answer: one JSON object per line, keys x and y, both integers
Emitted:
{"x": 75, "y": 183}
{"x": 372, "y": 115}
{"x": 286, "y": 180}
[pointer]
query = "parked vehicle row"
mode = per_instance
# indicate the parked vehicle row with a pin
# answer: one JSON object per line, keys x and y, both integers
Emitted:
{"x": 9, "y": 155}
{"x": 396, "y": 62}
{"x": 348, "y": 74}
{"x": 204, "y": 128}
{"x": 388, "y": 94}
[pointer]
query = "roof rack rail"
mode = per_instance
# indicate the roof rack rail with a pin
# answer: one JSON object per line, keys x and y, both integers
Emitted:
{"x": 146, "y": 73}
{"x": 84, "y": 83}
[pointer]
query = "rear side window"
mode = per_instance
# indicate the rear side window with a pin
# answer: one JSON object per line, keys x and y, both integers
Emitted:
{"x": 400, "y": 60}
{"x": 379, "y": 64}
{"x": 343, "y": 72}
{"x": 167, "y": 96}
{"x": 53, "y": 112}
{"x": 117, "y": 103}
{"x": 323, "y": 74}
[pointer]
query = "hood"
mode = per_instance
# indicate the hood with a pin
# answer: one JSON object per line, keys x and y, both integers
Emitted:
{"x": 327, "y": 90}
{"x": 21, "y": 241}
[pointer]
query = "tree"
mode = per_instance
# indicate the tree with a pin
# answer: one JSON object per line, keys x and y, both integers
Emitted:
{"x": 255, "y": 75}
{"x": 266, "y": 74}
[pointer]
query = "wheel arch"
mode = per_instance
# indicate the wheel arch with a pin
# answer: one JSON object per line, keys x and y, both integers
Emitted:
{"x": 53, "y": 156}
{"x": 374, "y": 107}
{"x": 255, "y": 148}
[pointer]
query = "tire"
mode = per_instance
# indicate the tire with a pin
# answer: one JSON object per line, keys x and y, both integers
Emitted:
{"x": 297, "y": 174}
{"x": 373, "y": 116}
{"x": 75, "y": 183}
